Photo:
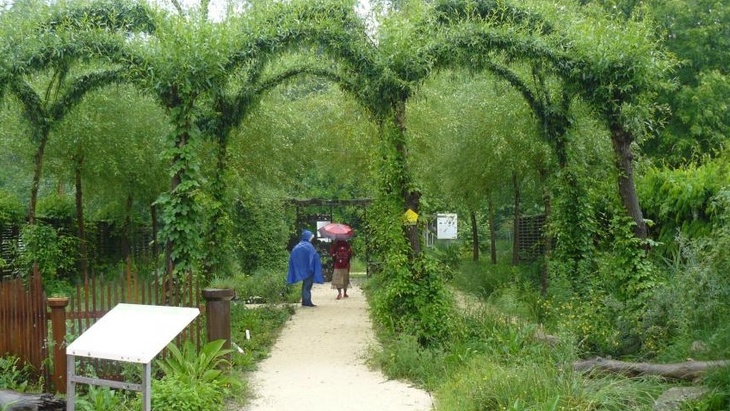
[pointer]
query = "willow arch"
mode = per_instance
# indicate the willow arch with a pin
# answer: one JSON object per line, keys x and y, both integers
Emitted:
{"x": 383, "y": 88}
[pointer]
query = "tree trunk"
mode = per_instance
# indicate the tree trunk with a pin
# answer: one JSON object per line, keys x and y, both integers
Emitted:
{"x": 492, "y": 231}
{"x": 80, "y": 226}
{"x": 474, "y": 236}
{"x": 155, "y": 245}
{"x": 546, "y": 237}
{"x": 37, "y": 171}
{"x": 686, "y": 371}
{"x": 411, "y": 197}
{"x": 127, "y": 231}
{"x": 621, "y": 140}
{"x": 515, "y": 229}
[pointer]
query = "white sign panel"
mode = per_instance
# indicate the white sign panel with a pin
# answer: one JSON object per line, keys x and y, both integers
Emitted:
{"x": 321, "y": 224}
{"x": 446, "y": 225}
{"x": 132, "y": 332}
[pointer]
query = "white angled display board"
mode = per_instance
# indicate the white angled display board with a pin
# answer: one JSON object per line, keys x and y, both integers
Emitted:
{"x": 132, "y": 332}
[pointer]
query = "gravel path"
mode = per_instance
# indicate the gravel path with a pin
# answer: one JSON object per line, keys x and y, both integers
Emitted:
{"x": 331, "y": 374}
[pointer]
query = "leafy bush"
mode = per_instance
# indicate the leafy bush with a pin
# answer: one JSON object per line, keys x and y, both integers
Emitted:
{"x": 12, "y": 376}
{"x": 53, "y": 251}
{"x": 193, "y": 380}
{"x": 101, "y": 399}
{"x": 172, "y": 394}
{"x": 266, "y": 285}
{"x": 11, "y": 210}
{"x": 414, "y": 299}
{"x": 190, "y": 366}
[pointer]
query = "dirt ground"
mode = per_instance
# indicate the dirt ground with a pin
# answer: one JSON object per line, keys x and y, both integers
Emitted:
{"x": 330, "y": 374}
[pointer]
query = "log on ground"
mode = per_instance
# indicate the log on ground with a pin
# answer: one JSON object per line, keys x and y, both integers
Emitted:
{"x": 18, "y": 401}
{"x": 685, "y": 371}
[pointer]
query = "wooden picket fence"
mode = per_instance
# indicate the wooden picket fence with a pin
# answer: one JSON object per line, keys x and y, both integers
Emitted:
{"x": 24, "y": 316}
{"x": 23, "y": 324}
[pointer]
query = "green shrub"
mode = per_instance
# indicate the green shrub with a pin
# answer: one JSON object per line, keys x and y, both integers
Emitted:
{"x": 12, "y": 210}
{"x": 13, "y": 376}
{"x": 264, "y": 286}
{"x": 414, "y": 299}
{"x": 190, "y": 366}
{"x": 101, "y": 399}
{"x": 172, "y": 394}
{"x": 53, "y": 251}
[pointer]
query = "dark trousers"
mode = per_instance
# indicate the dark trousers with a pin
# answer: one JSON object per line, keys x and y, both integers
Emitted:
{"x": 307, "y": 284}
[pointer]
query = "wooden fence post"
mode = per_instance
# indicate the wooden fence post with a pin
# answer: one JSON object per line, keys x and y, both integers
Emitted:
{"x": 58, "y": 326}
{"x": 218, "y": 314}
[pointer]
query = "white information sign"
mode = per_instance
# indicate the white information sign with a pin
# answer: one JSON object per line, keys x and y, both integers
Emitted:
{"x": 321, "y": 224}
{"x": 132, "y": 332}
{"x": 446, "y": 226}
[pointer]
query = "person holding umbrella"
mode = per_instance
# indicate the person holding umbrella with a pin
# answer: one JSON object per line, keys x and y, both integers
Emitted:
{"x": 305, "y": 265}
{"x": 341, "y": 253}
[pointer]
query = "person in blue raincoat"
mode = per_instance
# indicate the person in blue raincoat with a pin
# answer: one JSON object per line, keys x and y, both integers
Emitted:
{"x": 305, "y": 265}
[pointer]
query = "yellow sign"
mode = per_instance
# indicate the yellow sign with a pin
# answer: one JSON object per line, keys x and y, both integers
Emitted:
{"x": 410, "y": 217}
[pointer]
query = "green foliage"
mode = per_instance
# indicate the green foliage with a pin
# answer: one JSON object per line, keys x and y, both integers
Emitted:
{"x": 11, "y": 210}
{"x": 402, "y": 357}
{"x": 193, "y": 379}
{"x": 691, "y": 303}
{"x": 52, "y": 250}
{"x": 182, "y": 211}
{"x": 56, "y": 208}
{"x": 572, "y": 224}
{"x": 414, "y": 300}
{"x": 13, "y": 376}
{"x": 480, "y": 280}
{"x": 190, "y": 366}
{"x": 102, "y": 399}
{"x": 263, "y": 324}
{"x": 259, "y": 224}
{"x": 718, "y": 399}
{"x": 680, "y": 200}
{"x": 263, "y": 286}
{"x": 172, "y": 394}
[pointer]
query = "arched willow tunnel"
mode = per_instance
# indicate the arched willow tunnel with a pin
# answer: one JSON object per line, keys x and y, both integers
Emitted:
{"x": 208, "y": 77}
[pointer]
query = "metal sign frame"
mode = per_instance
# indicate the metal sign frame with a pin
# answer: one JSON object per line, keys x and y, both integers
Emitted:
{"x": 130, "y": 333}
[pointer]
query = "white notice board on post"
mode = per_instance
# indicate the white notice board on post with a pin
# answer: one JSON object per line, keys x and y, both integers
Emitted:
{"x": 131, "y": 333}
{"x": 446, "y": 226}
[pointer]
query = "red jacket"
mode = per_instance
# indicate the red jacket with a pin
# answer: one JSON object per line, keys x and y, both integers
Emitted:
{"x": 341, "y": 253}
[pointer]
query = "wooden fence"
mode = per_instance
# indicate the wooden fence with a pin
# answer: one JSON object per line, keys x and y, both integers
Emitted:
{"x": 23, "y": 325}
{"x": 24, "y": 317}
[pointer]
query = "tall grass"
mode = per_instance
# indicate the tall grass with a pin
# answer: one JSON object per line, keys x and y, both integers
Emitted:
{"x": 497, "y": 358}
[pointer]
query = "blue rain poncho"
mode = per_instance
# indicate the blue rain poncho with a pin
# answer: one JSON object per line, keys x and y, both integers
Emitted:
{"x": 304, "y": 261}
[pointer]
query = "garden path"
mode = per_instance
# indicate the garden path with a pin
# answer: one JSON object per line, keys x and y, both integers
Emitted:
{"x": 331, "y": 374}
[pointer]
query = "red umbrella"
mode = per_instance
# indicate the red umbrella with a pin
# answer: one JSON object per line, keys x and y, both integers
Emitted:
{"x": 337, "y": 231}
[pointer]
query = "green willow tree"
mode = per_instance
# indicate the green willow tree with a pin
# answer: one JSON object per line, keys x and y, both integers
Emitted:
{"x": 62, "y": 44}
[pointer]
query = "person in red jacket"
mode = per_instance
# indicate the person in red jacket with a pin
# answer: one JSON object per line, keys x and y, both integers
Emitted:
{"x": 341, "y": 254}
